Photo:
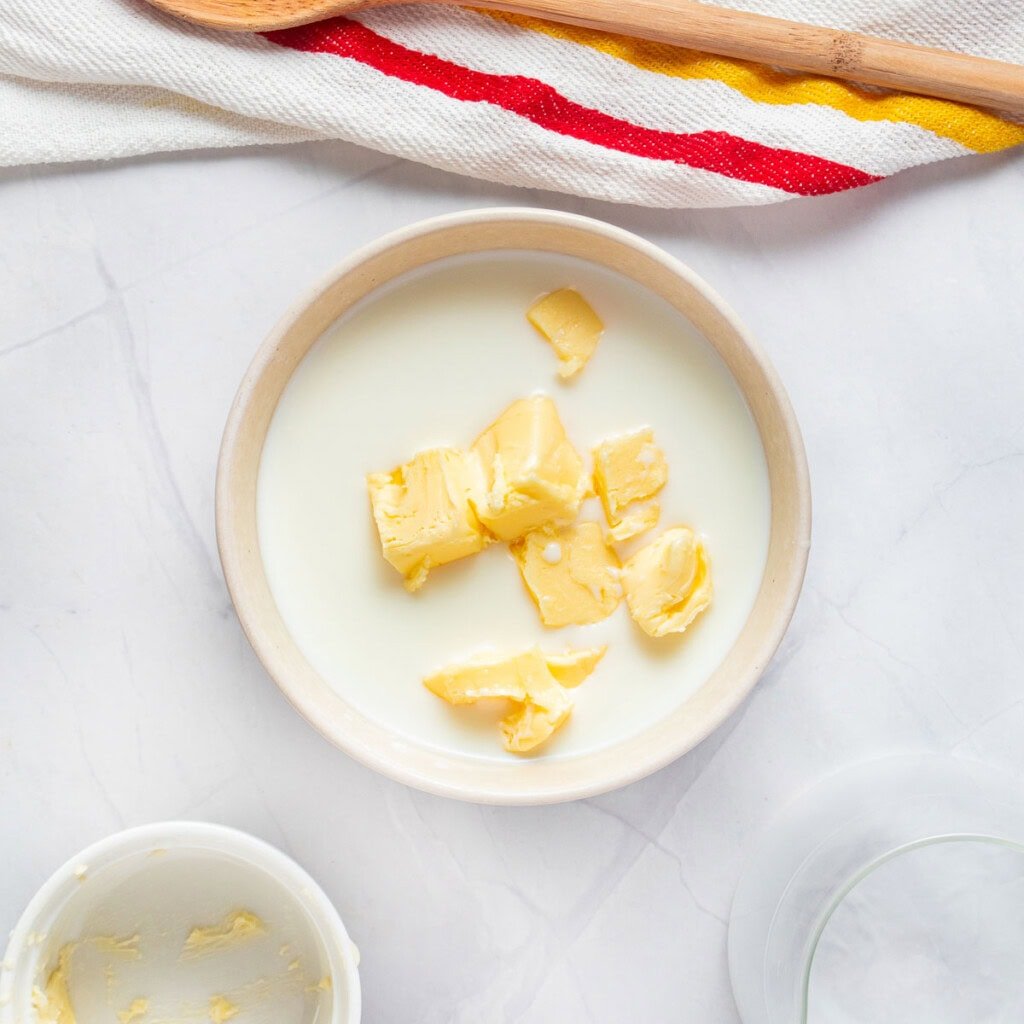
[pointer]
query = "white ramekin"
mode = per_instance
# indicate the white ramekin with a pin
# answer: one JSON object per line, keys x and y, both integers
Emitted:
{"x": 24, "y": 961}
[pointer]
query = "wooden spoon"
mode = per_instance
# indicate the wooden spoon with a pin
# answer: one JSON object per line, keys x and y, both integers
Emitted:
{"x": 821, "y": 51}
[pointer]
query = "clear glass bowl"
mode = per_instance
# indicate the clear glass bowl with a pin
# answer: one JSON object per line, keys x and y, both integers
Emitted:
{"x": 891, "y": 892}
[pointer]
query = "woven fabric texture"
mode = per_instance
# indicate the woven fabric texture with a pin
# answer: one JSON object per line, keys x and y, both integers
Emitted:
{"x": 502, "y": 97}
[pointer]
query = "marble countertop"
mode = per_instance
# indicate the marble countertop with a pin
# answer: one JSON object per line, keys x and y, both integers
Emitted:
{"x": 134, "y": 295}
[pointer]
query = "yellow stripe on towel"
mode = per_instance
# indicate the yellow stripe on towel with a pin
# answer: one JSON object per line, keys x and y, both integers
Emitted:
{"x": 976, "y": 129}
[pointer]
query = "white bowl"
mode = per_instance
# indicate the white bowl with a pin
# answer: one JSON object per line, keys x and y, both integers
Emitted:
{"x": 87, "y": 891}
{"x": 494, "y": 780}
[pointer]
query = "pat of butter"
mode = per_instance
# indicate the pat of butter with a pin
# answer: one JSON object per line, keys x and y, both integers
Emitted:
{"x": 627, "y": 469}
{"x": 510, "y": 676}
{"x": 423, "y": 513}
{"x": 536, "y": 683}
{"x": 582, "y": 586}
{"x": 535, "y": 721}
{"x": 531, "y": 473}
{"x": 635, "y": 522}
{"x": 573, "y": 328}
{"x": 668, "y": 582}
{"x": 571, "y": 668}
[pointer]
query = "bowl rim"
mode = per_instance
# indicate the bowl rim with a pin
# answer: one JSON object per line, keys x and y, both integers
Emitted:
{"x": 17, "y": 970}
{"x": 371, "y": 743}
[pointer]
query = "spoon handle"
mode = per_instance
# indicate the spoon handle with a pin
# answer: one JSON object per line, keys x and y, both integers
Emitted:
{"x": 698, "y": 26}
{"x": 821, "y": 51}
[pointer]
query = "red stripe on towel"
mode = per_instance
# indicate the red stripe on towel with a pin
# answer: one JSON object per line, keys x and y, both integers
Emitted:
{"x": 719, "y": 152}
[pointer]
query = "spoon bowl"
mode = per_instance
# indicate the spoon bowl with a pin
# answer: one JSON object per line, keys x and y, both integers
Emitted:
{"x": 259, "y": 15}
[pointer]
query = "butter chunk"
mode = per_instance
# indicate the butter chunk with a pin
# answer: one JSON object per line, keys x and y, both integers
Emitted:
{"x": 512, "y": 677}
{"x": 535, "y": 682}
{"x": 486, "y": 677}
{"x": 573, "y": 328}
{"x": 572, "y": 575}
{"x": 628, "y": 468}
{"x": 668, "y": 582}
{"x": 571, "y": 668}
{"x": 531, "y": 474}
{"x": 633, "y": 523}
{"x": 535, "y": 721}
{"x": 423, "y": 512}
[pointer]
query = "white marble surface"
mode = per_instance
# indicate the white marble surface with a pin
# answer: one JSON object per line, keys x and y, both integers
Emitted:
{"x": 133, "y": 297}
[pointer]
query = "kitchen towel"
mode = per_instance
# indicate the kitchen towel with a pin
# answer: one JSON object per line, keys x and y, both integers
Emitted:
{"x": 497, "y": 96}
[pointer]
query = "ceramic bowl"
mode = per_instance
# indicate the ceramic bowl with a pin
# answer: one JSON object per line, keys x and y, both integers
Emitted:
{"x": 537, "y": 780}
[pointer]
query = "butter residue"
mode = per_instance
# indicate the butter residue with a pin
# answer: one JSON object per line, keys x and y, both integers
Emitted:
{"x": 53, "y": 1003}
{"x": 535, "y": 683}
{"x": 668, "y": 582}
{"x": 238, "y": 927}
{"x": 581, "y": 586}
{"x": 567, "y": 320}
{"x": 222, "y": 1009}
{"x": 135, "y": 1011}
{"x": 127, "y": 947}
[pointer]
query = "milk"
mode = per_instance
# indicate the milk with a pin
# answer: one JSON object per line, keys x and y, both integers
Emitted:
{"x": 431, "y": 360}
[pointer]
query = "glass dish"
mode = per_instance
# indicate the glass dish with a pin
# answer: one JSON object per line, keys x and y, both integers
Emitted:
{"x": 892, "y": 891}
